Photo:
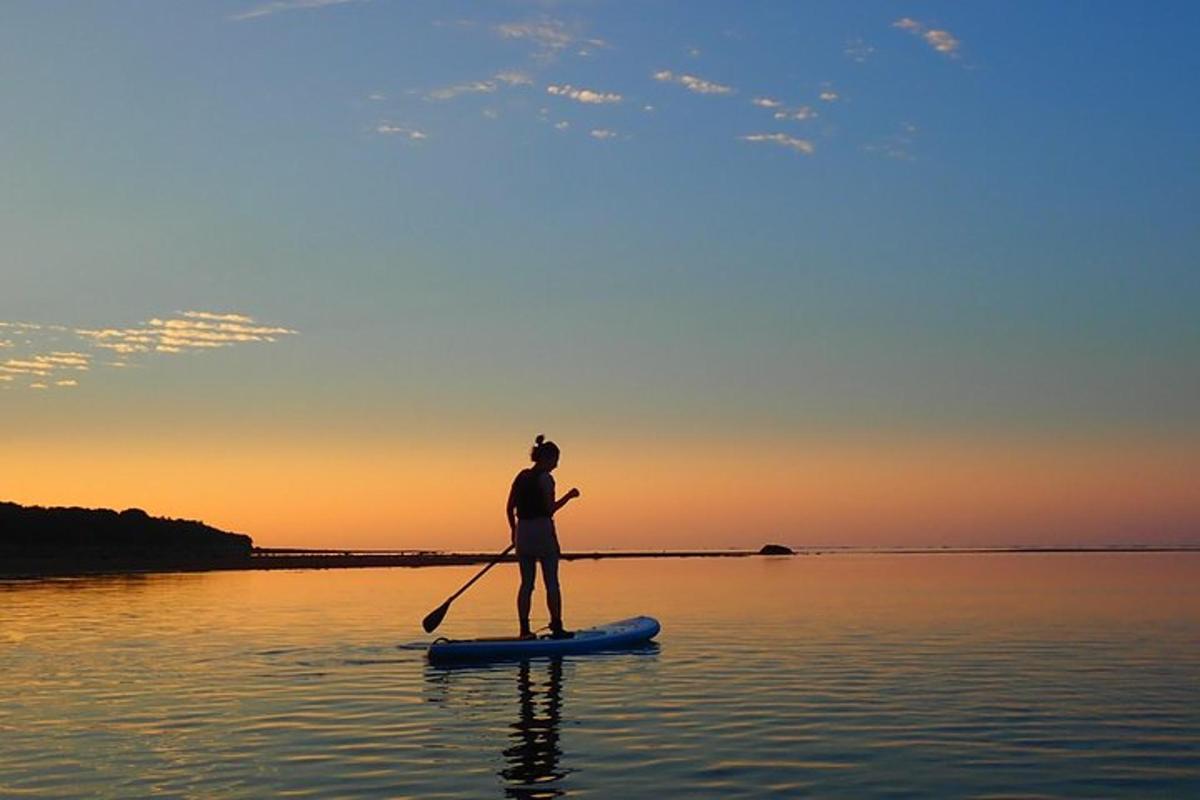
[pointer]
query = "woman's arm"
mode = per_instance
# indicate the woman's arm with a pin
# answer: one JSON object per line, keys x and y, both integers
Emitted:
{"x": 551, "y": 503}
{"x": 562, "y": 501}
{"x": 510, "y": 507}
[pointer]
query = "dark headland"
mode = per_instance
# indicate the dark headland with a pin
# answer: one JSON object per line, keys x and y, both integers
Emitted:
{"x": 38, "y": 542}
{"x": 54, "y": 541}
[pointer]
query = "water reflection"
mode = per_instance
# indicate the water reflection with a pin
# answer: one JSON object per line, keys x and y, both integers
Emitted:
{"x": 74, "y": 583}
{"x": 532, "y": 758}
{"x": 533, "y": 769}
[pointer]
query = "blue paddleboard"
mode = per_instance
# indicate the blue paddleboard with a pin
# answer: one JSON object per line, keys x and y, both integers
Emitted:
{"x": 613, "y": 636}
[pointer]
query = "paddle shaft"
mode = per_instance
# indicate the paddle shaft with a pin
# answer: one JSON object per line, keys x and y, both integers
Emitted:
{"x": 479, "y": 575}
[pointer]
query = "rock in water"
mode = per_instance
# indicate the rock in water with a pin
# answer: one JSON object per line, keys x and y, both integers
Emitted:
{"x": 776, "y": 550}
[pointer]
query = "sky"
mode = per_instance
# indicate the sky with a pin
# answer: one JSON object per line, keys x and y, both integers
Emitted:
{"x": 818, "y": 273}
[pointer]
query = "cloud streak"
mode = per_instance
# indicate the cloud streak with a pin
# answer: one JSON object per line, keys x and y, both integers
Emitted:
{"x": 589, "y": 96}
{"x": 897, "y": 146}
{"x": 799, "y": 114}
{"x": 506, "y": 78}
{"x": 550, "y": 37}
{"x": 44, "y": 365}
{"x": 267, "y": 9}
{"x": 412, "y": 134}
{"x": 858, "y": 50}
{"x": 471, "y": 87}
{"x": 693, "y": 83}
{"x": 190, "y": 331}
{"x": 514, "y": 78}
{"x": 943, "y": 41}
{"x": 803, "y": 146}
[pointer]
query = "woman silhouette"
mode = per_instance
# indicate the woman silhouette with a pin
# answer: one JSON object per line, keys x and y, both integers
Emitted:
{"x": 530, "y": 511}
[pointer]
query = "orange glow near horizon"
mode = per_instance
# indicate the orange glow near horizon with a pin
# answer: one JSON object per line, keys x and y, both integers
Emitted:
{"x": 413, "y": 494}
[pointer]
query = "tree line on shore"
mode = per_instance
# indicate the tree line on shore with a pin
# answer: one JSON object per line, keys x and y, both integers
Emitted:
{"x": 34, "y": 532}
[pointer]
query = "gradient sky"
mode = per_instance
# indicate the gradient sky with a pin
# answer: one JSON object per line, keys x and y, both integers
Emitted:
{"x": 820, "y": 273}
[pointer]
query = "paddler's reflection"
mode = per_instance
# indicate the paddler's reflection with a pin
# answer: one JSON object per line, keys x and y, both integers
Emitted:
{"x": 533, "y": 769}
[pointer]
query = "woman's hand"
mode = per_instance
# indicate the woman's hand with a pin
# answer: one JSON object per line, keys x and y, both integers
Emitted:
{"x": 562, "y": 501}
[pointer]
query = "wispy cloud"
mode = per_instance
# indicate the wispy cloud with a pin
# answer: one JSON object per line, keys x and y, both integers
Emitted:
{"x": 506, "y": 78}
{"x": 267, "y": 9}
{"x": 514, "y": 78}
{"x": 693, "y": 83}
{"x": 897, "y": 146}
{"x": 798, "y": 114}
{"x": 858, "y": 50}
{"x": 784, "y": 112}
{"x": 46, "y": 366}
{"x": 943, "y": 41}
{"x": 411, "y": 134}
{"x": 208, "y": 315}
{"x": 470, "y": 87}
{"x": 547, "y": 32}
{"x": 22, "y": 327}
{"x": 829, "y": 96}
{"x": 550, "y": 37}
{"x": 66, "y": 360}
{"x": 192, "y": 330}
{"x": 583, "y": 95}
{"x": 603, "y": 133}
{"x": 783, "y": 140}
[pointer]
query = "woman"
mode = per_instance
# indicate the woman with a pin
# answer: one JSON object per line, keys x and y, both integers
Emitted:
{"x": 530, "y": 510}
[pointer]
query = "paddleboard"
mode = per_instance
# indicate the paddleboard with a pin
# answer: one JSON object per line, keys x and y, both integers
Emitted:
{"x": 613, "y": 636}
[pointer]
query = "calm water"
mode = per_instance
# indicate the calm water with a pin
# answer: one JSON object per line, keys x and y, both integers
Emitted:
{"x": 853, "y": 676}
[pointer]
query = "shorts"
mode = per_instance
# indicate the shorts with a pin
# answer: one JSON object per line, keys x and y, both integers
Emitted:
{"x": 536, "y": 538}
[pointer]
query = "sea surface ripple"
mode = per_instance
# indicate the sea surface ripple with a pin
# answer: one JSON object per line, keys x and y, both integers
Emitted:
{"x": 1025, "y": 675}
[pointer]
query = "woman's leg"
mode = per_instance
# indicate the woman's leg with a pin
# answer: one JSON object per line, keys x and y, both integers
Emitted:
{"x": 525, "y": 593}
{"x": 553, "y": 592}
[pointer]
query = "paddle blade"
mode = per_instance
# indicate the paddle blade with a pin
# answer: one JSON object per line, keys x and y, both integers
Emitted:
{"x": 435, "y": 617}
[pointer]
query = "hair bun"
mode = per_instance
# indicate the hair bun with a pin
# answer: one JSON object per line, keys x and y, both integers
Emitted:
{"x": 543, "y": 449}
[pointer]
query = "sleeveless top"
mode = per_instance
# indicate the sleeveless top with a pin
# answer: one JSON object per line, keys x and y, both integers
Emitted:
{"x": 529, "y": 496}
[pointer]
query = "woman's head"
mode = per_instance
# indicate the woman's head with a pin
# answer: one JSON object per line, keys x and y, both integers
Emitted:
{"x": 544, "y": 453}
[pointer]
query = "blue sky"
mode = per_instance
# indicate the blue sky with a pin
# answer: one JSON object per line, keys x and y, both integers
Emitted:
{"x": 972, "y": 217}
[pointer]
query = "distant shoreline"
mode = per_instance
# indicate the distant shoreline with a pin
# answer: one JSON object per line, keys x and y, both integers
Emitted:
{"x": 40, "y": 542}
{"x": 304, "y": 559}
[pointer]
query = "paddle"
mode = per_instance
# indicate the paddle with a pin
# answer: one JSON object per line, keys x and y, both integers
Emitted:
{"x": 435, "y": 617}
